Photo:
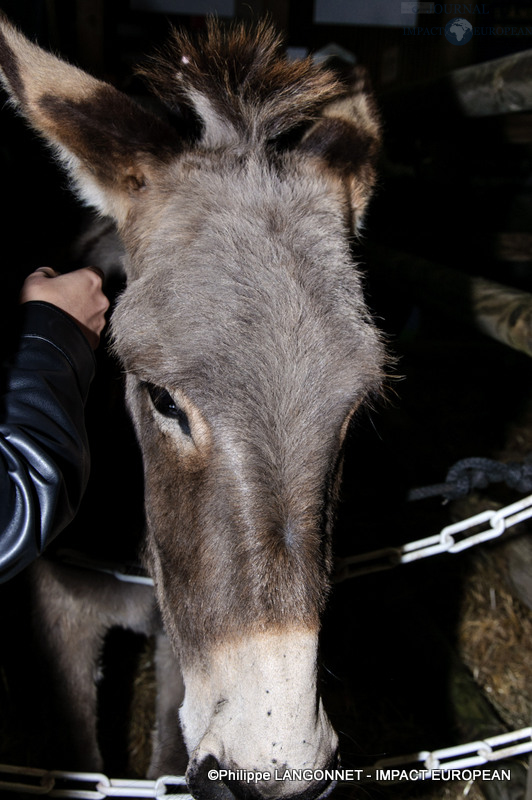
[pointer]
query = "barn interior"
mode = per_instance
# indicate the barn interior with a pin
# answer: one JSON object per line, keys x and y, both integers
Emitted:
{"x": 418, "y": 656}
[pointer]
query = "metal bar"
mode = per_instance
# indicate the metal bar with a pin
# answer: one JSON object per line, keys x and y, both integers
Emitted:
{"x": 501, "y": 312}
{"x": 496, "y": 87}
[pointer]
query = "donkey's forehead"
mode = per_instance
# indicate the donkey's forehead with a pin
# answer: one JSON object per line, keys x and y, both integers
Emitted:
{"x": 240, "y": 198}
{"x": 232, "y": 338}
{"x": 241, "y": 266}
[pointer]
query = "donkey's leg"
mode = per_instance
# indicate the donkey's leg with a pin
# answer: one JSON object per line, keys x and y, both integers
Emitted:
{"x": 74, "y": 609}
{"x": 169, "y": 756}
{"x": 69, "y": 635}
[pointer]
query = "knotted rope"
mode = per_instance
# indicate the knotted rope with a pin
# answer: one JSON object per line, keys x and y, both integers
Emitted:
{"x": 478, "y": 473}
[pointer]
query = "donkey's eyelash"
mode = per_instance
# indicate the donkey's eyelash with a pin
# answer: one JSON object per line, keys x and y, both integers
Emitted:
{"x": 165, "y": 404}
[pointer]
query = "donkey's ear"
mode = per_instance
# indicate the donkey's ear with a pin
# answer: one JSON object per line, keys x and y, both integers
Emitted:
{"x": 347, "y": 137}
{"x": 110, "y": 146}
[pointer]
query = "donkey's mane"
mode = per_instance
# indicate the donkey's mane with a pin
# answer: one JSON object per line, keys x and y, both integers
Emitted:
{"x": 242, "y": 77}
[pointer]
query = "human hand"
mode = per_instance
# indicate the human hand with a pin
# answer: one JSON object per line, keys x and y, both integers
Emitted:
{"x": 79, "y": 294}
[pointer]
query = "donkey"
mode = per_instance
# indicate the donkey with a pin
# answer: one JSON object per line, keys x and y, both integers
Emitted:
{"x": 247, "y": 348}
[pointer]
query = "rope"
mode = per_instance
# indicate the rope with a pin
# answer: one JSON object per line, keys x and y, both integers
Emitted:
{"x": 477, "y": 473}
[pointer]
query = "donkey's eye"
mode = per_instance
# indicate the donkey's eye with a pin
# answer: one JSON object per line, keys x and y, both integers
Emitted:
{"x": 165, "y": 404}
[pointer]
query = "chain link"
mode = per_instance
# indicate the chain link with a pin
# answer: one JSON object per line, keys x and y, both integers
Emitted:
{"x": 447, "y": 541}
{"x": 464, "y": 756}
{"x": 96, "y": 786}
{"x": 128, "y": 572}
{"x": 88, "y": 785}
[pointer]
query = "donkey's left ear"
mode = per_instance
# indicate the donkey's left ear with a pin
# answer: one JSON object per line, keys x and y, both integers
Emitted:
{"x": 109, "y": 145}
{"x": 347, "y": 137}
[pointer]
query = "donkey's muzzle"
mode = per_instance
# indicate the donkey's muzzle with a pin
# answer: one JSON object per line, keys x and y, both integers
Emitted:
{"x": 208, "y": 780}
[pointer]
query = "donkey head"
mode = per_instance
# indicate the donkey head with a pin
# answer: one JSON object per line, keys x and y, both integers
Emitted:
{"x": 247, "y": 348}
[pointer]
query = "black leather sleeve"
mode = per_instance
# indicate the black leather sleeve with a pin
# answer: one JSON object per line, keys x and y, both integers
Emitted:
{"x": 44, "y": 454}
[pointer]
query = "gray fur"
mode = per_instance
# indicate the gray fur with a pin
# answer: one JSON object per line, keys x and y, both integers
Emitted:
{"x": 244, "y": 305}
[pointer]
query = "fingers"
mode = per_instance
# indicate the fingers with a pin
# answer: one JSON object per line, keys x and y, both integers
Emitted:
{"x": 47, "y": 272}
{"x": 78, "y": 293}
{"x": 50, "y": 272}
{"x": 95, "y": 277}
{"x": 98, "y": 271}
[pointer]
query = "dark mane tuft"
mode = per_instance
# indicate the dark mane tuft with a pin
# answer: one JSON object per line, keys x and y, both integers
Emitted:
{"x": 240, "y": 78}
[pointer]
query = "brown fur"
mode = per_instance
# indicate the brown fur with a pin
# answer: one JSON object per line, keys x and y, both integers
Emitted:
{"x": 245, "y": 78}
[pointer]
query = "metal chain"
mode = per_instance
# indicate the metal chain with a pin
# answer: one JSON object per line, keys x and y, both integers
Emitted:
{"x": 127, "y": 572}
{"x": 447, "y": 541}
{"x": 88, "y": 785}
{"x": 464, "y": 756}
{"x": 96, "y": 786}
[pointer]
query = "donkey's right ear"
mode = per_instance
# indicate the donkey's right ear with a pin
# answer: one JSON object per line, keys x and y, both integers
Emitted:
{"x": 110, "y": 146}
{"x": 347, "y": 137}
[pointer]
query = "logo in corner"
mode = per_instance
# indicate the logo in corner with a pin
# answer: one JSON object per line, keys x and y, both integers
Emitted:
{"x": 459, "y": 31}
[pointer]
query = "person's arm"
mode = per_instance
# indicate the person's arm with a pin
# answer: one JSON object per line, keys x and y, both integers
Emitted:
{"x": 44, "y": 455}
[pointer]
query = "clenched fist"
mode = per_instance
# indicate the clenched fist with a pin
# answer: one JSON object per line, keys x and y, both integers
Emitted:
{"x": 79, "y": 294}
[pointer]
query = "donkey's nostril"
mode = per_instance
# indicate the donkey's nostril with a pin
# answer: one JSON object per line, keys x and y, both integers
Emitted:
{"x": 208, "y": 780}
{"x": 204, "y": 781}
